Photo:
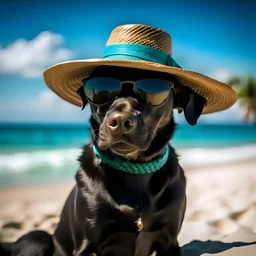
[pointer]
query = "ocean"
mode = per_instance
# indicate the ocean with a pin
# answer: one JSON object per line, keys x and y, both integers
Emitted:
{"x": 48, "y": 153}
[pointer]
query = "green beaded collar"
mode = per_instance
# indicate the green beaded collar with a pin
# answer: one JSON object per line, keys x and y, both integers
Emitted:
{"x": 131, "y": 167}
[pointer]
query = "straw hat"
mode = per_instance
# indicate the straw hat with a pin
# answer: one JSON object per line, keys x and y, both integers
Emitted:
{"x": 142, "y": 47}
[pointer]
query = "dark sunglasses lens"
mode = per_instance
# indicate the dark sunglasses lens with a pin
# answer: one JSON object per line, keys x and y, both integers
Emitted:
{"x": 154, "y": 91}
{"x": 101, "y": 90}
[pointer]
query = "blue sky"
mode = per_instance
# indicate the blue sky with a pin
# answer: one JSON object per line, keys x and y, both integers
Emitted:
{"x": 215, "y": 38}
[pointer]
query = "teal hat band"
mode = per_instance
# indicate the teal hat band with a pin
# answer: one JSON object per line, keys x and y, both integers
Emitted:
{"x": 131, "y": 167}
{"x": 138, "y": 52}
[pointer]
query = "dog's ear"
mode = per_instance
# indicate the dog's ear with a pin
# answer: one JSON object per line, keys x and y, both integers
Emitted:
{"x": 194, "y": 108}
{"x": 81, "y": 93}
{"x": 190, "y": 102}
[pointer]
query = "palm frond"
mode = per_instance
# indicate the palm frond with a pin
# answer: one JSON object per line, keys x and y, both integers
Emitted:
{"x": 246, "y": 90}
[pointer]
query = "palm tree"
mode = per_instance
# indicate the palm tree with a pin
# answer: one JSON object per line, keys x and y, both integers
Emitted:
{"x": 246, "y": 89}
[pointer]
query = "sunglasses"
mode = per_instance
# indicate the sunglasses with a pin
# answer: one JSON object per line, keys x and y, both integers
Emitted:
{"x": 103, "y": 90}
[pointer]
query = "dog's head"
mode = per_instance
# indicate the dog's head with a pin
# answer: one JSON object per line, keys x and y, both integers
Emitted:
{"x": 134, "y": 124}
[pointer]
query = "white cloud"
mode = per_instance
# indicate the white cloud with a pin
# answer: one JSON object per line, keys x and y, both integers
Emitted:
{"x": 47, "y": 100}
{"x": 45, "y": 107}
{"x": 221, "y": 75}
{"x": 29, "y": 58}
{"x": 232, "y": 115}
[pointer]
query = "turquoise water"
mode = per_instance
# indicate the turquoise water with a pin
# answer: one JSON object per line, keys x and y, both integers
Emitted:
{"x": 30, "y": 137}
{"x": 48, "y": 153}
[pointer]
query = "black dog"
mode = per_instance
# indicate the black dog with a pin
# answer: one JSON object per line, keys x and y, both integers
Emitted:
{"x": 110, "y": 212}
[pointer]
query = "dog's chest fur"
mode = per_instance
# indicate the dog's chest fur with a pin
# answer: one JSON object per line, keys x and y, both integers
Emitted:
{"x": 120, "y": 197}
{"x": 132, "y": 190}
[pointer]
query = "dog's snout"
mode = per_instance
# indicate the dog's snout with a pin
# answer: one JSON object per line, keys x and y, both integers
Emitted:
{"x": 121, "y": 122}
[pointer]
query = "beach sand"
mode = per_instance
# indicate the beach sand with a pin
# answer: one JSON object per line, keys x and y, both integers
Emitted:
{"x": 220, "y": 217}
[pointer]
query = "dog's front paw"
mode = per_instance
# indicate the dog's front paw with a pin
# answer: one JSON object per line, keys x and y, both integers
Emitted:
{"x": 118, "y": 251}
{"x": 156, "y": 244}
{"x": 173, "y": 250}
{"x": 162, "y": 249}
{"x": 120, "y": 244}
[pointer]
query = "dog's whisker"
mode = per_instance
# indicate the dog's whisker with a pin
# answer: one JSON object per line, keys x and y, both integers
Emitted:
{"x": 96, "y": 130}
{"x": 96, "y": 137}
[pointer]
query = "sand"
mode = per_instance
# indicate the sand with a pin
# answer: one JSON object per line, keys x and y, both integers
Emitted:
{"x": 220, "y": 217}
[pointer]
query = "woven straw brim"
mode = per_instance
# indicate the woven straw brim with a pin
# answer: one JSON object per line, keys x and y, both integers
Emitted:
{"x": 66, "y": 78}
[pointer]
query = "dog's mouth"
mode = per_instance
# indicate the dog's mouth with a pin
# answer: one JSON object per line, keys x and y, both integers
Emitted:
{"x": 121, "y": 148}
{"x": 127, "y": 153}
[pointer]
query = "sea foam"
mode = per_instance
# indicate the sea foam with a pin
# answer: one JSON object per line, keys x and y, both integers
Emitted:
{"x": 199, "y": 157}
{"x": 55, "y": 159}
{"x": 26, "y": 161}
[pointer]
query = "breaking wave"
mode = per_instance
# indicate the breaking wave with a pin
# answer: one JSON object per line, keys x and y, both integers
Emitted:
{"x": 55, "y": 159}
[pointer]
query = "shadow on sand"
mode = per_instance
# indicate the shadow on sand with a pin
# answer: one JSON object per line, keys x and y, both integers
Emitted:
{"x": 197, "y": 248}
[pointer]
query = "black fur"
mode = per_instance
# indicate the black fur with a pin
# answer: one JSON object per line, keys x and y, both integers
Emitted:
{"x": 35, "y": 243}
{"x": 100, "y": 213}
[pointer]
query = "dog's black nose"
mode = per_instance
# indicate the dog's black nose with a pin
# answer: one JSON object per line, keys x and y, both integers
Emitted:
{"x": 121, "y": 122}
